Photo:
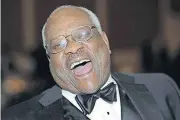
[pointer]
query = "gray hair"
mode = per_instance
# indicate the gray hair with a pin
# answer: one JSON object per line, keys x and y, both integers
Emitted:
{"x": 92, "y": 17}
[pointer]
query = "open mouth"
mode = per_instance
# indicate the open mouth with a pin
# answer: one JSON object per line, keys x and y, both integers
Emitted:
{"x": 81, "y": 67}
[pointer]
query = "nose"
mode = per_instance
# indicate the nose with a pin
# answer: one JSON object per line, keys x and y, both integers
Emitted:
{"x": 73, "y": 47}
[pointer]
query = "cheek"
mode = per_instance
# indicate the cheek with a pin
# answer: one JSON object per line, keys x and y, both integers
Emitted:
{"x": 57, "y": 61}
{"x": 102, "y": 51}
{"x": 95, "y": 45}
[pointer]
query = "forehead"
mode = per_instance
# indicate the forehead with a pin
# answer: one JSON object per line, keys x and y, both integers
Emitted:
{"x": 62, "y": 22}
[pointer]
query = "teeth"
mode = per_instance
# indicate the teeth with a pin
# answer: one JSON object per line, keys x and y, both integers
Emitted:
{"x": 79, "y": 62}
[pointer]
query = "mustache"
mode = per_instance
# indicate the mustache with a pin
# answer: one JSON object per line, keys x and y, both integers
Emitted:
{"x": 78, "y": 53}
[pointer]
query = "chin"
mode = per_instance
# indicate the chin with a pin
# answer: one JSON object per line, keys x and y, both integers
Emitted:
{"x": 91, "y": 90}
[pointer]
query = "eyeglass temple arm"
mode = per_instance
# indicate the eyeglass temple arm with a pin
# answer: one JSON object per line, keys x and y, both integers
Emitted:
{"x": 46, "y": 53}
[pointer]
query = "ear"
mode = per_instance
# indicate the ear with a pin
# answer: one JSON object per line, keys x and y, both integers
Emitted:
{"x": 104, "y": 37}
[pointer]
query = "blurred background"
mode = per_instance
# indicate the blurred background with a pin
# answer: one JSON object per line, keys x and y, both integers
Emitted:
{"x": 144, "y": 37}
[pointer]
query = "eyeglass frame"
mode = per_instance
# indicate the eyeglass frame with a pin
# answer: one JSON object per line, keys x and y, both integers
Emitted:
{"x": 90, "y": 26}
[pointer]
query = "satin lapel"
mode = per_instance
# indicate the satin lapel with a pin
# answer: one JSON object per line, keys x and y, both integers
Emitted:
{"x": 71, "y": 112}
{"x": 140, "y": 97}
{"x": 57, "y": 107}
{"x": 61, "y": 109}
{"x": 53, "y": 111}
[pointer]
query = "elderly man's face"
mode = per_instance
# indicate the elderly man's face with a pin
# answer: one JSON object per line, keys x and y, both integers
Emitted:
{"x": 81, "y": 67}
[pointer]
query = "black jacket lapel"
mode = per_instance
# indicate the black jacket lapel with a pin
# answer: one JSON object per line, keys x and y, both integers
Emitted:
{"x": 57, "y": 107}
{"x": 53, "y": 111}
{"x": 71, "y": 112}
{"x": 139, "y": 95}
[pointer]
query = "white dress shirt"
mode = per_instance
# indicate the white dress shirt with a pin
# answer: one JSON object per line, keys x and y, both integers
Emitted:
{"x": 102, "y": 109}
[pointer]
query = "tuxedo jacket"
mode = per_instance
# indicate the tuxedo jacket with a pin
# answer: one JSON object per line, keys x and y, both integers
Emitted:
{"x": 153, "y": 96}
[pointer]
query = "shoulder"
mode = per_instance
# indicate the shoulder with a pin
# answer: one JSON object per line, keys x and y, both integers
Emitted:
{"x": 154, "y": 81}
{"x": 21, "y": 109}
{"x": 164, "y": 90}
{"x": 29, "y": 107}
{"x": 146, "y": 76}
{"x": 160, "y": 79}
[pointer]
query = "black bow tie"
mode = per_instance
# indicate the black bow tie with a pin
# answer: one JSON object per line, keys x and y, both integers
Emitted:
{"x": 87, "y": 101}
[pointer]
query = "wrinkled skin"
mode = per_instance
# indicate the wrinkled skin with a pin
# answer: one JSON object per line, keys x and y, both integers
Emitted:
{"x": 96, "y": 49}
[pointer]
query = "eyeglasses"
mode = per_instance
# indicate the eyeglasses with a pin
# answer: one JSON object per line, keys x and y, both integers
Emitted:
{"x": 81, "y": 34}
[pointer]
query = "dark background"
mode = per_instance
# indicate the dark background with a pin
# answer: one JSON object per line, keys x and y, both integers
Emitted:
{"x": 143, "y": 34}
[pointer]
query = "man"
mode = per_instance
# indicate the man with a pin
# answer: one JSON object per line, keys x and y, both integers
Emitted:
{"x": 79, "y": 59}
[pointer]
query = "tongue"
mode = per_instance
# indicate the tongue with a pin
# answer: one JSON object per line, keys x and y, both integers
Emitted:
{"x": 81, "y": 70}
